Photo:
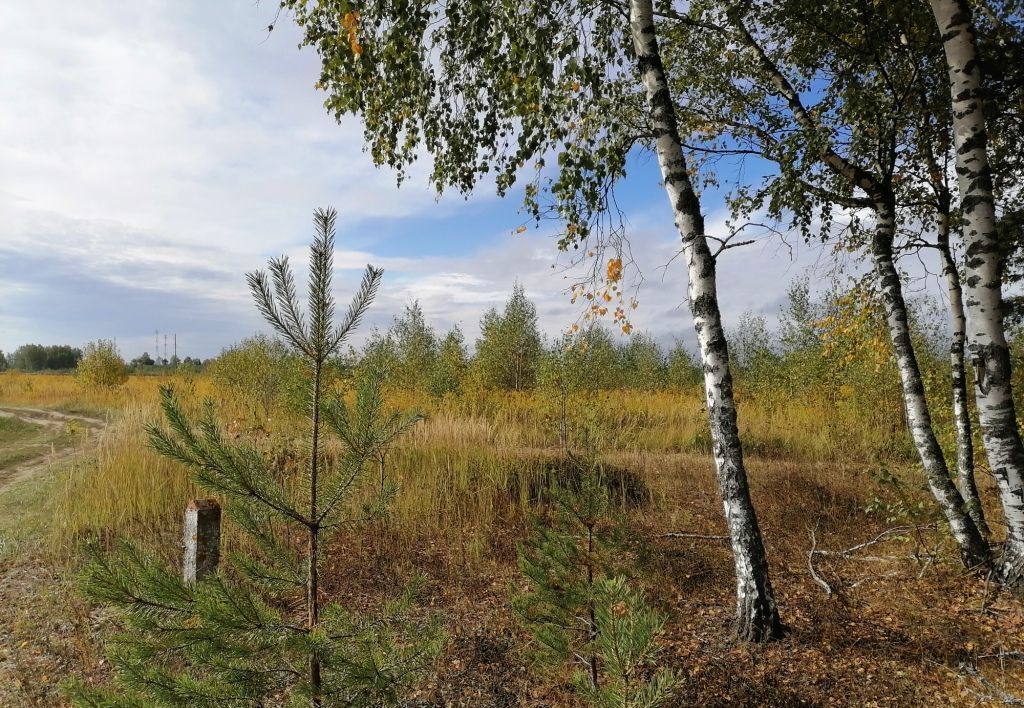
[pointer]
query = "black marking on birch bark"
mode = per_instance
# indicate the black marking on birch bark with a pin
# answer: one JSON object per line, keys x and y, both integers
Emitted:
{"x": 973, "y": 548}
{"x": 958, "y": 372}
{"x": 993, "y": 391}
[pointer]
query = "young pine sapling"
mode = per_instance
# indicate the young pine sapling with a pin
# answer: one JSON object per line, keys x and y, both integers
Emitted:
{"x": 579, "y": 609}
{"x": 257, "y": 631}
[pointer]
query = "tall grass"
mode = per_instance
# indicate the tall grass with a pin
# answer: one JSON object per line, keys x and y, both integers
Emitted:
{"x": 123, "y": 487}
{"x": 67, "y": 393}
{"x": 468, "y": 468}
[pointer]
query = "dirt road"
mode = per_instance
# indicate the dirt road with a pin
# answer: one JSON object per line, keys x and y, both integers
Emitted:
{"x": 46, "y": 630}
{"x": 57, "y": 447}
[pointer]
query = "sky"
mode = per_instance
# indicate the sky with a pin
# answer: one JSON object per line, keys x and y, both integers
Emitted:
{"x": 153, "y": 152}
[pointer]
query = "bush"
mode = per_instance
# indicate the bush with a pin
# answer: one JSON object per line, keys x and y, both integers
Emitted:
{"x": 101, "y": 365}
{"x": 264, "y": 373}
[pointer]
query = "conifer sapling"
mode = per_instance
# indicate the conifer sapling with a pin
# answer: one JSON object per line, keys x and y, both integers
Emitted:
{"x": 581, "y": 610}
{"x": 257, "y": 632}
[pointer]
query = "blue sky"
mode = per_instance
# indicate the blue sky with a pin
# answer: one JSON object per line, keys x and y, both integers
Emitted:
{"x": 152, "y": 152}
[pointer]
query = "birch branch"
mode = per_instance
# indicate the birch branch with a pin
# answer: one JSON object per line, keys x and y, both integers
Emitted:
{"x": 696, "y": 536}
{"x": 810, "y": 566}
{"x": 877, "y": 539}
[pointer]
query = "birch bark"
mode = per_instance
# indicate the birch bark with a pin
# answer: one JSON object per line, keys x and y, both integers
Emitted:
{"x": 983, "y": 297}
{"x": 961, "y": 413}
{"x": 757, "y": 616}
{"x": 973, "y": 549}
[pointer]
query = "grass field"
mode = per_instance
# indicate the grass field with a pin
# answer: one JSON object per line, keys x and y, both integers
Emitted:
{"x": 903, "y": 626}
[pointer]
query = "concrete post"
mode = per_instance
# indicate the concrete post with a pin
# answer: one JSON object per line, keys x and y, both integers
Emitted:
{"x": 202, "y": 539}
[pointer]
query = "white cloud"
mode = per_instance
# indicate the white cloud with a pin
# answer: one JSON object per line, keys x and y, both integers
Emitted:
{"x": 152, "y": 152}
{"x": 176, "y": 121}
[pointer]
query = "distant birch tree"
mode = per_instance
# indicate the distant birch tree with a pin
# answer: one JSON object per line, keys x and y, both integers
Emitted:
{"x": 450, "y": 367}
{"x": 415, "y": 346}
{"x": 509, "y": 347}
{"x": 493, "y": 90}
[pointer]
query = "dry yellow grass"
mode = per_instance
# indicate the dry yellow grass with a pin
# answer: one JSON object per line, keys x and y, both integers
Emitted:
{"x": 465, "y": 469}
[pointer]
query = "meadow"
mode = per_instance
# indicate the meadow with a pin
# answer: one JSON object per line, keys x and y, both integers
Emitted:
{"x": 831, "y": 467}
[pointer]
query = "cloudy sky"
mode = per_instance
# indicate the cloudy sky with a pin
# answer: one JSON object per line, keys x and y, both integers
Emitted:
{"x": 152, "y": 152}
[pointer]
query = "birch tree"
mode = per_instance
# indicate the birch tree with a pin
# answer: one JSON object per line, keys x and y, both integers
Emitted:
{"x": 416, "y": 347}
{"x": 492, "y": 91}
{"x": 983, "y": 302}
{"x": 830, "y": 110}
{"x": 509, "y": 348}
{"x": 934, "y": 136}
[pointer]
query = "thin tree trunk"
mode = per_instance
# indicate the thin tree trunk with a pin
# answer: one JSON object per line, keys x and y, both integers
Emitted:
{"x": 983, "y": 300}
{"x": 961, "y": 413}
{"x": 312, "y": 581}
{"x": 757, "y": 616}
{"x": 591, "y": 610}
{"x": 973, "y": 549}
{"x": 563, "y": 432}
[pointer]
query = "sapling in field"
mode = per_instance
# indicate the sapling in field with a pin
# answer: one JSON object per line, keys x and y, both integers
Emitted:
{"x": 580, "y": 609}
{"x": 258, "y": 631}
{"x": 369, "y": 428}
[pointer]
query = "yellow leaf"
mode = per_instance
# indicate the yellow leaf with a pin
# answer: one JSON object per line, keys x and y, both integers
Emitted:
{"x": 614, "y": 269}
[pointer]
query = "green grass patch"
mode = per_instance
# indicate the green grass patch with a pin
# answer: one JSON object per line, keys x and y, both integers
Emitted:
{"x": 20, "y": 441}
{"x": 24, "y": 441}
{"x": 14, "y": 457}
{"x": 26, "y": 508}
{"x": 15, "y": 430}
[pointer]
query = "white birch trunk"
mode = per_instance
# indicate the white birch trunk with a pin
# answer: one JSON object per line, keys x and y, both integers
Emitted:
{"x": 961, "y": 413}
{"x": 973, "y": 549}
{"x": 983, "y": 299}
{"x": 757, "y": 615}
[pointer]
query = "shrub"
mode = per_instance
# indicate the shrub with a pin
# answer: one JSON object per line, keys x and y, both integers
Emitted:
{"x": 101, "y": 365}
{"x": 263, "y": 372}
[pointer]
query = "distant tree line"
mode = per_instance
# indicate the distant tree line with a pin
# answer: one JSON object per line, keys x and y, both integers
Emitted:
{"x": 64, "y": 357}
{"x": 145, "y": 362}
{"x": 832, "y": 342}
{"x": 39, "y": 357}
{"x": 512, "y": 354}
